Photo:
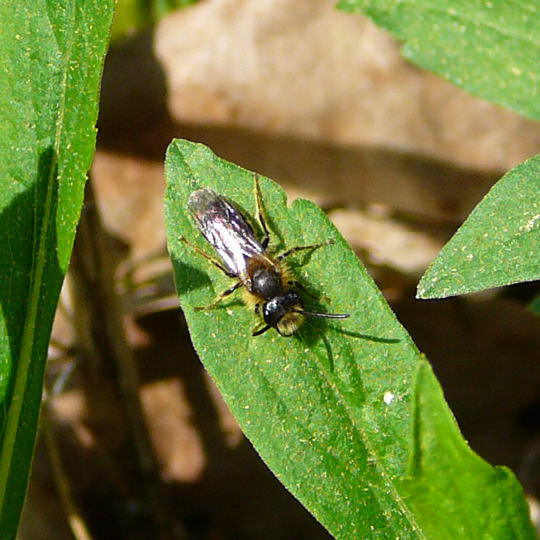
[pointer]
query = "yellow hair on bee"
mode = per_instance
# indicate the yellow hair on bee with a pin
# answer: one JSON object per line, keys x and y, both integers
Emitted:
{"x": 251, "y": 300}
{"x": 290, "y": 323}
{"x": 285, "y": 272}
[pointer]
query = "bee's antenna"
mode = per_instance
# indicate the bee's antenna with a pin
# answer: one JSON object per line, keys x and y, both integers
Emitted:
{"x": 323, "y": 315}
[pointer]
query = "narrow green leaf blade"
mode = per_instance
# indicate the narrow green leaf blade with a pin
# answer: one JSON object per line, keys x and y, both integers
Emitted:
{"x": 440, "y": 457}
{"x": 491, "y": 49}
{"x": 331, "y": 410}
{"x": 50, "y": 67}
{"x": 498, "y": 244}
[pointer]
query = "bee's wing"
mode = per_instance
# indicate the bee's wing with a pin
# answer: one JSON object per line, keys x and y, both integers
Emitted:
{"x": 225, "y": 228}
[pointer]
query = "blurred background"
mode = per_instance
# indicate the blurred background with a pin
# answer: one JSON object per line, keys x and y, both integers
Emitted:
{"x": 136, "y": 441}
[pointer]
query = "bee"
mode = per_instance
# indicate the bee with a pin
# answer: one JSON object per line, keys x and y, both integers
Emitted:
{"x": 269, "y": 285}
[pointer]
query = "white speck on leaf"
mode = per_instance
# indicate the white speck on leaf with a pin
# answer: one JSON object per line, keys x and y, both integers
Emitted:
{"x": 530, "y": 224}
{"x": 388, "y": 397}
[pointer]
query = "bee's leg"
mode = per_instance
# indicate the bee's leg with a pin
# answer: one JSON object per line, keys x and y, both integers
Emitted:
{"x": 296, "y": 249}
{"x": 261, "y": 217}
{"x": 207, "y": 257}
{"x": 261, "y": 330}
{"x": 220, "y": 297}
{"x": 258, "y": 330}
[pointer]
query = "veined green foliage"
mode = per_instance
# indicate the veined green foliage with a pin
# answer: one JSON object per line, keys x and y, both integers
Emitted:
{"x": 346, "y": 413}
{"x": 50, "y": 68}
{"x": 498, "y": 244}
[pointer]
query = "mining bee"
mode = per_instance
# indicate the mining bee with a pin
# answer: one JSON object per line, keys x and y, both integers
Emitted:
{"x": 269, "y": 285}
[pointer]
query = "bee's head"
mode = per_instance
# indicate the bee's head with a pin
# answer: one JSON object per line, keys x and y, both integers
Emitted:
{"x": 281, "y": 313}
{"x": 285, "y": 312}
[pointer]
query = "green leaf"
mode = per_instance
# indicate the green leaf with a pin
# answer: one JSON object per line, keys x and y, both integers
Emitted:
{"x": 440, "y": 457}
{"x": 331, "y": 409}
{"x": 489, "y": 48}
{"x": 50, "y": 67}
{"x": 498, "y": 244}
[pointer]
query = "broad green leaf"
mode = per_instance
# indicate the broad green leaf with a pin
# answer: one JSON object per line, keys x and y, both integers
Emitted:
{"x": 498, "y": 244}
{"x": 489, "y": 48}
{"x": 443, "y": 505}
{"x": 331, "y": 409}
{"x": 50, "y": 67}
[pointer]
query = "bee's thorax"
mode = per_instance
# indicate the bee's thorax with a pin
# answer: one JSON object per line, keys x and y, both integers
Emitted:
{"x": 266, "y": 283}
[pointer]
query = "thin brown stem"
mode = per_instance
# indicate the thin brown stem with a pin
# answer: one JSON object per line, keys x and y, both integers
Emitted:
{"x": 99, "y": 324}
{"x": 76, "y": 522}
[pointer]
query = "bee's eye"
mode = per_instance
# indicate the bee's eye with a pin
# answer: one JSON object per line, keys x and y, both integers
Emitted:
{"x": 273, "y": 311}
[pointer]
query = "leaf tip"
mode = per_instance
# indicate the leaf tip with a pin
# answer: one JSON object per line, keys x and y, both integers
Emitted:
{"x": 424, "y": 290}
